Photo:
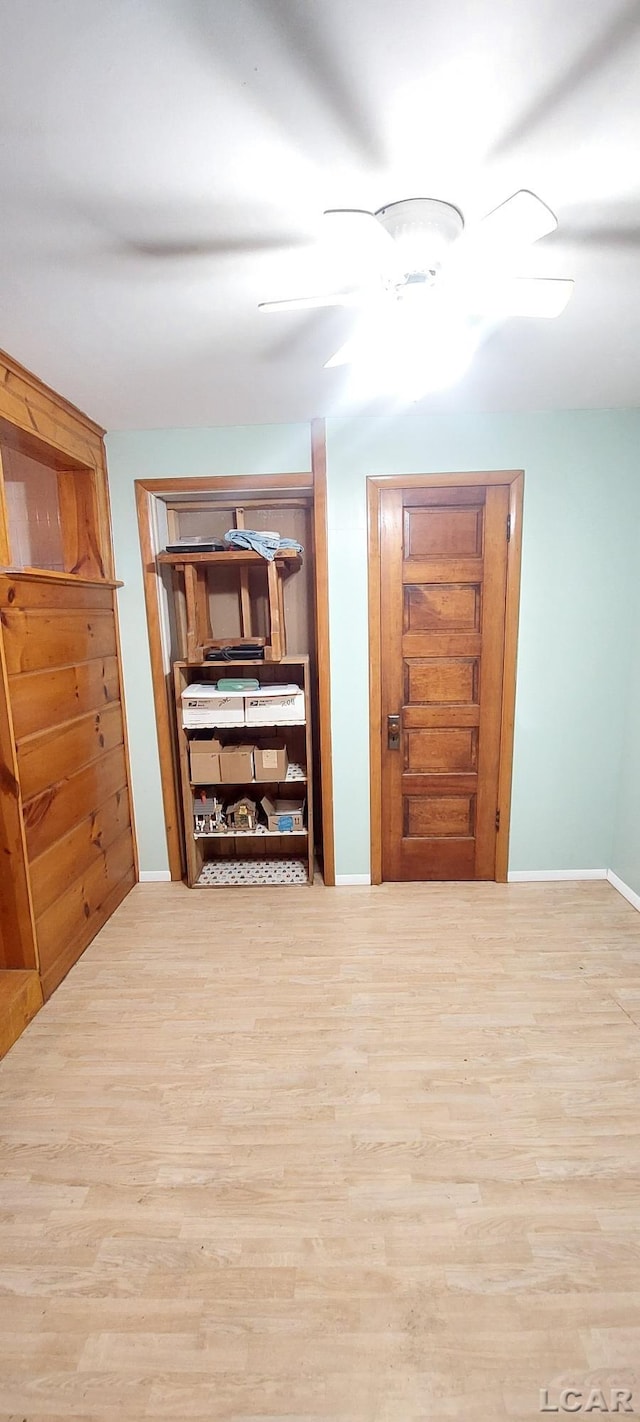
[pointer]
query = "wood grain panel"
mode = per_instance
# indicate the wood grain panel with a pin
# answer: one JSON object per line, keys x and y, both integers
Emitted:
{"x": 441, "y": 644}
{"x": 79, "y": 522}
{"x": 46, "y": 698}
{"x": 66, "y": 920}
{"x": 441, "y": 681}
{"x": 442, "y": 533}
{"x": 460, "y": 489}
{"x": 56, "y": 811}
{"x": 442, "y": 570}
{"x": 37, "y": 639}
{"x": 439, "y": 815}
{"x": 516, "y": 495}
{"x": 64, "y": 594}
{"x": 52, "y": 756}
{"x": 434, "y": 607}
{"x": 491, "y": 678}
{"x": 55, "y": 870}
{"x": 415, "y": 716}
{"x": 28, "y": 405}
{"x": 76, "y": 945}
{"x": 448, "y": 858}
{"x": 440, "y": 782}
{"x": 17, "y": 929}
{"x": 20, "y": 999}
{"x": 5, "y": 546}
{"x": 440, "y": 750}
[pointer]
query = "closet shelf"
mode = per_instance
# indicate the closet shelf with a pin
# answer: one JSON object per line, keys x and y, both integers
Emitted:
{"x": 298, "y": 777}
{"x": 260, "y": 833}
{"x": 288, "y": 562}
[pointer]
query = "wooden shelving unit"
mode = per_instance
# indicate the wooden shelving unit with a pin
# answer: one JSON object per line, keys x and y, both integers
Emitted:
{"x": 195, "y": 569}
{"x": 259, "y": 856}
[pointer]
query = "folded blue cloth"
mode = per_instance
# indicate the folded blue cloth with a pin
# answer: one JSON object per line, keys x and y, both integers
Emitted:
{"x": 261, "y": 541}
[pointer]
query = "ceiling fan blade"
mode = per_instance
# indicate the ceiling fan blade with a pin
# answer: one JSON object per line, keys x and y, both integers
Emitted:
{"x": 359, "y": 236}
{"x": 310, "y": 303}
{"x": 342, "y": 356}
{"x": 542, "y": 297}
{"x": 518, "y": 222}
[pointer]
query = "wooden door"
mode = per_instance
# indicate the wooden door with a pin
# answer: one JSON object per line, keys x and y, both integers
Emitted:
{"x": 443, "y": 577}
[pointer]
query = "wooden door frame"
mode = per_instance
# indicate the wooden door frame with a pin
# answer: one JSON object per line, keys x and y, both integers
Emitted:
{"x": 515, "y": 479}
{"x": 323, "y": 650}
{"x": 312, "y": 483}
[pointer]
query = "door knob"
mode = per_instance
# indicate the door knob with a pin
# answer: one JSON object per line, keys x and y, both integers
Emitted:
{"x": 393, "y": 733}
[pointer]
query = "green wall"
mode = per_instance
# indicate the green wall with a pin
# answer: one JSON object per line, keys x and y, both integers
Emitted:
{"x": 570, "y": 801}
{"x": 577, "y": 563}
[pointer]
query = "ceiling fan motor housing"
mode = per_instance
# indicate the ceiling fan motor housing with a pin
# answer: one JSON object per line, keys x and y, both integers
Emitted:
{"x": 423, "y": 229}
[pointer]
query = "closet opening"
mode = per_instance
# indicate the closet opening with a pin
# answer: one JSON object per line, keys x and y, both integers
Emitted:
{"x": 232, "y": 602}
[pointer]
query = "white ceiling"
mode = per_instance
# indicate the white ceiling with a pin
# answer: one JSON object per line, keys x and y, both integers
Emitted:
{"x": 164, "y": 165}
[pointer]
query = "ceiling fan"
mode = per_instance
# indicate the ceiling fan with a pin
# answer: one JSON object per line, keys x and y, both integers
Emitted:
{"x": 429, "y": 278}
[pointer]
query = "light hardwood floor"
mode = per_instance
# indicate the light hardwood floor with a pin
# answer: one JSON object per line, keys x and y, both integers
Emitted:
{"x": 366, "y": 1155}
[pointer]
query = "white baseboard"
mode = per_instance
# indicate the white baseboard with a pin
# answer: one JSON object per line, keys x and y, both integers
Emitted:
{"x": 526, "y": 876}
{"x": 627, "y": 893}
{"x": 516, "y": 876}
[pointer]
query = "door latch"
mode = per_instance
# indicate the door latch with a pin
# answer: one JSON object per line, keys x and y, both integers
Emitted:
{"x": 393, "y": 733}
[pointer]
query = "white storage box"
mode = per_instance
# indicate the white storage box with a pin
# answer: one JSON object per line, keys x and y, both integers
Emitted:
{"x": 275, "y": 706}
{"x": 203, "y": 705}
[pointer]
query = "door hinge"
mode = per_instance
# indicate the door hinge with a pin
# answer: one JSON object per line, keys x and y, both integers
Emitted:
{"x": 508, "y": 528}
{"x": 497, "y": 820}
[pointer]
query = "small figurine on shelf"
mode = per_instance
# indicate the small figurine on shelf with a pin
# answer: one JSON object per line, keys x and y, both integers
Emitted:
{"x": 243, "y": 815}
{"x": 208, "y": 815}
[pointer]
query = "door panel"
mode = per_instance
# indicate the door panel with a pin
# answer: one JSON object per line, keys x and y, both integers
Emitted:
{"x": 440, "y": 750}
{"x": 438, "y": 815}
{"x": 438, "y": 681}
{"x": 443, "y": 566}
{"x": 440, "y": 533}
{"x": 440, "y": 607}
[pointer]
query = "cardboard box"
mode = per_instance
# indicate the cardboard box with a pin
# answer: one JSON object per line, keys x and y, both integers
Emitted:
{"x": 204, "y": 755}
{"x": 236, "y": 764}
{"x": 284, "y": 816}
{"x": 203, "y": 705}
{"x": 281, "y": 706}
{"x": 271, "y": 761}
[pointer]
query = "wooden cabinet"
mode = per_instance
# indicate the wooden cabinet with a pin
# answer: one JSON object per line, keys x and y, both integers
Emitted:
{"x": 66, "y": 836}
{"x": 196, "y": 571}
{"x": 260, "y": 854}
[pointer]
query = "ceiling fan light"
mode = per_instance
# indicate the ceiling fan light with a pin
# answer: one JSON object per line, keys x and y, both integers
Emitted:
{"x": 423, "y": 230}
{"x": 404, "y": 357}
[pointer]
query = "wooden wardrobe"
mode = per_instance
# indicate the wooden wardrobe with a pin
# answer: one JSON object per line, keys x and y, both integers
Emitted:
{"x": 67, "y": 845}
